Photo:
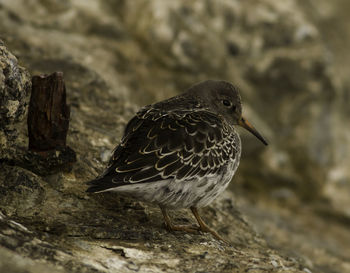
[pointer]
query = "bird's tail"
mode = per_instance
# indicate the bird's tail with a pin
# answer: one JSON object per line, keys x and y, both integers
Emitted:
{"x": 99, "y": 185}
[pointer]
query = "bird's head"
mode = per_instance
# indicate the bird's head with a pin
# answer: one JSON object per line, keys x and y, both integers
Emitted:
{"x": 223, "y": 99}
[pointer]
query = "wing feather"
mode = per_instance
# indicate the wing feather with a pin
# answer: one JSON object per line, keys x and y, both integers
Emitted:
{"x": 161, "y": 145}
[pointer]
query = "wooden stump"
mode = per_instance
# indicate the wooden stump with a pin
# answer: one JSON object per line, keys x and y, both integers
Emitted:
{"x": 48, "y": 122}
{"x": 48, "y": 116}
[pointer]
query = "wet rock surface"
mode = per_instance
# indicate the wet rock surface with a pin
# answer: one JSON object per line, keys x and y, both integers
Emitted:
{"x": 288, "y": 212}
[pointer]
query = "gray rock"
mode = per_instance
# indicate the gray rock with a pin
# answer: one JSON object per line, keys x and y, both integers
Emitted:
{"x": 117, "y": 54}
{"x": 14, "y": 89}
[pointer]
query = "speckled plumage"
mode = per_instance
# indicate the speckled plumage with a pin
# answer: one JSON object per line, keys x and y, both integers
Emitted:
{"x": 181, "y": 152}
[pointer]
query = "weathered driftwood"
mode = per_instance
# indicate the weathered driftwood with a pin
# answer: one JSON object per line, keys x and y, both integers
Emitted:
{"x": 48, "y": 123}
{"x": 48, "y": 114}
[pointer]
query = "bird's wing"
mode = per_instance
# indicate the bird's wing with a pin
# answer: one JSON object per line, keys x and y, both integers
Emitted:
{"x": 161, "y": 145}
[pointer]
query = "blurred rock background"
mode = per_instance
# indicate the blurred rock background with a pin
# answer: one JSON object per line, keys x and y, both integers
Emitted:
{"x": 289, "y": 58}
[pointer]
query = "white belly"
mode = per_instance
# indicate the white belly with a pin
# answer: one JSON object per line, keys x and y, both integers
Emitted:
{"x": 183, "y": 193}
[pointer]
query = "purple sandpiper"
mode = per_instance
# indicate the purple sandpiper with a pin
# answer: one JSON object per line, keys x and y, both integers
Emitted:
{"x": 181, "y": 152}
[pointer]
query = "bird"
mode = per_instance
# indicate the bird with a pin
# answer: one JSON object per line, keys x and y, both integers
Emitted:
{"x": 181, "y": 152}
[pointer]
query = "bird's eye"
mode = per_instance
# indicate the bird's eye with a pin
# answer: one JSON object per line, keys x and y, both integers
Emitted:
{"x": 226, "y": 103}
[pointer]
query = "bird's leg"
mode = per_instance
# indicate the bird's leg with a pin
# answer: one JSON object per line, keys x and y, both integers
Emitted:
{"x": 204, "y": 227}
{"x": 171, "y": 227}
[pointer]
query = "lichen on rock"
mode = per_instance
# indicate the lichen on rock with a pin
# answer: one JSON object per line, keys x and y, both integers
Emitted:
{"x": 14, "y": 91}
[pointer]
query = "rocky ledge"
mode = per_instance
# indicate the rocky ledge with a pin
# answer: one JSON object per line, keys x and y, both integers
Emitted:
{"x": 287, "y": 207}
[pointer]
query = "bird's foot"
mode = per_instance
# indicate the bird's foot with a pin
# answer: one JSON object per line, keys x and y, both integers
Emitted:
{"x": 205, "y": 228}
{"x": 186, "y": 228}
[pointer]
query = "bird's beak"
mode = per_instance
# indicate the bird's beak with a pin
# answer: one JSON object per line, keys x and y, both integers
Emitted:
{"x": 245, "y": 124}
